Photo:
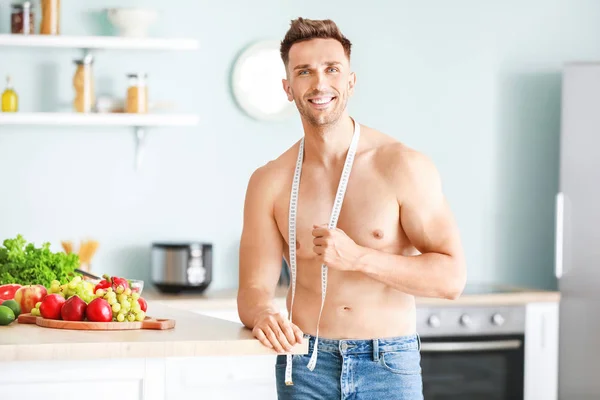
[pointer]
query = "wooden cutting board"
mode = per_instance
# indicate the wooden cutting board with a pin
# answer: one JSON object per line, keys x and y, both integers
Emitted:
{"x": 148, "y": 323}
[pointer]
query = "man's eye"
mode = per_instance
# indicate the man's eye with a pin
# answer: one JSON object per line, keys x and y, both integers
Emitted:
{"x": 303, "y": 72}
{"x": 333, "y": 69}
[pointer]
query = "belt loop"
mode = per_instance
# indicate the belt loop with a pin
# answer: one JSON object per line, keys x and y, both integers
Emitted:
{"x": 376, "y": 349}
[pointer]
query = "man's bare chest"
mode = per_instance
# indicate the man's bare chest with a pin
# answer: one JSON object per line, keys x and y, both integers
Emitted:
{"x": 369, "y": 213}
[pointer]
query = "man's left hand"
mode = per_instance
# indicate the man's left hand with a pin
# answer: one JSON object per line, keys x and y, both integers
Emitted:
{"x": 335, "y": 249}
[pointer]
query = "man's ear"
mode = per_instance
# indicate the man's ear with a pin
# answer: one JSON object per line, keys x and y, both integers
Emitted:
{"x": 351, "y": 83}
{"x": 287, "y": 89}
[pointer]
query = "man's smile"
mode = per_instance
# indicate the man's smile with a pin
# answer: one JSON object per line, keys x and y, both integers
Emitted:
{"x": 321, "y": 102}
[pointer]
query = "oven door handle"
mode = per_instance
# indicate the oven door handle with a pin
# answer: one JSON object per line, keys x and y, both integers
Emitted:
{"x": 445, "y": 347}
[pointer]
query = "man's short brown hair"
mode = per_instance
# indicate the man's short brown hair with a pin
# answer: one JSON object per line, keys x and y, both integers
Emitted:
{"x": 302, "y": 29}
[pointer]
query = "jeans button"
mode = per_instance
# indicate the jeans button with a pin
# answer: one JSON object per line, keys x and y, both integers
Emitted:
{"x": 344, "y": 346}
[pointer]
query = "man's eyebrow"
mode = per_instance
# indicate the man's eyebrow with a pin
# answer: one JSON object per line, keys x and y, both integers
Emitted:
{"x": 328, "y": 63}
{"x": 302, "y": 66}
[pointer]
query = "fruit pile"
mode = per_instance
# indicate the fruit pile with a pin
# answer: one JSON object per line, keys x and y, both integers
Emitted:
{"x": 110, "y": 300}
{"x": 16, "y": 299}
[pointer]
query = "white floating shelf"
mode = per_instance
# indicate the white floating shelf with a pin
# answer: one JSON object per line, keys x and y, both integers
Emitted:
{"x": 97, "y": 42}
{"x": 93, "y": 119}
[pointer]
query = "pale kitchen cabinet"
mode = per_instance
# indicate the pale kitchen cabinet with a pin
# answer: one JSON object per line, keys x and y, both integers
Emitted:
{"x": 221, "y": 378}
{"x": 541, "y": 351}
{"x": 131, "y": 379}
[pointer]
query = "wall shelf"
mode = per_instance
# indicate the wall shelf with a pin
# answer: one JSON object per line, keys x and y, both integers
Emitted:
{"x": 140, "y": 122}
{"x": 97, "y": 42}
{"x": 98, "y": 119}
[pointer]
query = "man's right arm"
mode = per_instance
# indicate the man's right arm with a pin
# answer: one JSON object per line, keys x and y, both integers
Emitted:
{"x": 260, "y": 261}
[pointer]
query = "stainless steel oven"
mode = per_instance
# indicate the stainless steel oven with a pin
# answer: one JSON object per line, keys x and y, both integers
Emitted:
{"x": 472, "y": 352}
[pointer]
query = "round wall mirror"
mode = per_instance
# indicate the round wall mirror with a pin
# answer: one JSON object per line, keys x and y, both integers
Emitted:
{"x": 256, "y": 82}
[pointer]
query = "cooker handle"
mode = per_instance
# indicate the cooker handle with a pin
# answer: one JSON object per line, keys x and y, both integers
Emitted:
{"x": 444, "y": 347}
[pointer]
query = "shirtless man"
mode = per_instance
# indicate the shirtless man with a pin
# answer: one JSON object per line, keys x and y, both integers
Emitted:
{"x": 395, "y": 239}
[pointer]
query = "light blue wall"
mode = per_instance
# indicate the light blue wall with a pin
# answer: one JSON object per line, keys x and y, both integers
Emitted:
{"x": 475, "y": 85}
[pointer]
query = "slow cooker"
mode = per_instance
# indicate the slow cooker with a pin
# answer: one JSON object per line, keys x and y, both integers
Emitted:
{"x": 183, "y": 266}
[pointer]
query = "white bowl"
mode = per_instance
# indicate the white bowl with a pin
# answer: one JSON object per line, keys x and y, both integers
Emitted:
{"x": 132, "y": 22}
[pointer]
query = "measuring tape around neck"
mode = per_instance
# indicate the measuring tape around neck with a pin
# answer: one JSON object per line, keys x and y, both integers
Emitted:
{"x": 335, "y": 213}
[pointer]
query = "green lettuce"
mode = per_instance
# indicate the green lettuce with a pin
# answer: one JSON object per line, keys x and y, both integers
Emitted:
{"x": 25, "y": 264}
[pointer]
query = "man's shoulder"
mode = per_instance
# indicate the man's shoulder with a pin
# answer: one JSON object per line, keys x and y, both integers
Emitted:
{"x": 398, "y": 159}
{"x": 403, "y": 156}
{"x": 274, "y": 171}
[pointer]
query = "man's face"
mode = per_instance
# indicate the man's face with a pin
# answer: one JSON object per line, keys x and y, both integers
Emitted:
{"x": 319, "y": 80}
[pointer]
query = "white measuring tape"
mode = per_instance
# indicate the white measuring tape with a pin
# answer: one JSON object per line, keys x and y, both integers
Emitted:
{"x": 335, "y": 213}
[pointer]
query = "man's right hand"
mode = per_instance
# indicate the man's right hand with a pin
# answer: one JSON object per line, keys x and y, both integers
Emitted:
{"x": 276, "y": 332}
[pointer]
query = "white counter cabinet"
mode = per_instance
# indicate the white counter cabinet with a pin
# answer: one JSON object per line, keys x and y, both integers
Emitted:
{"x": 207, "y": 378}
{"x": 132, "y": 379}
{"x": 221, "y": 378}
{"x": 541, "y": 351}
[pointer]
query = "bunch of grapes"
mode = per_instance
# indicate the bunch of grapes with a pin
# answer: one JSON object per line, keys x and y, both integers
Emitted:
{"x": 77, "y": 286}
{"x": 124, "y": 304}
{"x": 36, "y": 310}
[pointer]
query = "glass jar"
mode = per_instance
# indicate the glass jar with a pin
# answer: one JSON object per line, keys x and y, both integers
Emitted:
{"x": 50, "y": 24}
{"x": 137, "y": 94}
{"x": 83, "y": 83}
{"x": 22, "y": 18}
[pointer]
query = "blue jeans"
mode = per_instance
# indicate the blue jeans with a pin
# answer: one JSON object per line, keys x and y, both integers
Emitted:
{"x": 382, "y": 369}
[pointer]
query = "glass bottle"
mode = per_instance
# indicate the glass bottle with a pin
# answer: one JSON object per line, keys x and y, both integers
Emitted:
{"x": 83, "y": 84}
{"x": 22, "y": 18}
{"x": 10, "y": 100}
{"x": 50, "y": 24}
{"x": 137, "y": 94}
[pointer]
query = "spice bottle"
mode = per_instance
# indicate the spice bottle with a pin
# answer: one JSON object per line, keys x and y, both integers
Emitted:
{"x": 50, "y": 24}
{"x": 137, "y": 94}
{"x": 83, "y": 83}
{"x": 10, "y": 100}
{"x": 22, "y": 18}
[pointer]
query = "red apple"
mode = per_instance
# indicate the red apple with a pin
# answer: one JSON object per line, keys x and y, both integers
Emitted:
{"x": 73, "y": 309}
{"x": 99, "y": 311}
{"x": 143, "y": 304}
{"x": 28, "y": 296}
{"x": 51, "y": 306}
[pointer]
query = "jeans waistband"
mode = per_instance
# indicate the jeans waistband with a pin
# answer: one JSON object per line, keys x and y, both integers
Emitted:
{"x": 358, "y": 346}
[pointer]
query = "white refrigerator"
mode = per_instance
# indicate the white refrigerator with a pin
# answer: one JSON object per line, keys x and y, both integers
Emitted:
{"x": 578, "y": 233}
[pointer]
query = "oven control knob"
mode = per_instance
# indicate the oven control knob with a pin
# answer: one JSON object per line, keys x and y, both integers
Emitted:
{"x": 497, "y": 319}
{"x": 465, "y": 320}
{"x": 434, "y": 321}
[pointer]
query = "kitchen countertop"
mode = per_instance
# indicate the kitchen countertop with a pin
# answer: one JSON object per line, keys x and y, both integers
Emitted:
{"x": 193, "y": 335}
{"x": 476, "y": 295}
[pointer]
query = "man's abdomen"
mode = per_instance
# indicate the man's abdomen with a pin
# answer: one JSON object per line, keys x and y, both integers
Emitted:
{"x": 354, "y": 309}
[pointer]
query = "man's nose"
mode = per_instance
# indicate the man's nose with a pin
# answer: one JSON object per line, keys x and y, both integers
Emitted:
{"x": 320, "y": 81}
